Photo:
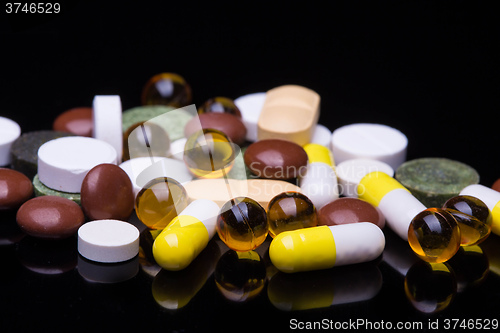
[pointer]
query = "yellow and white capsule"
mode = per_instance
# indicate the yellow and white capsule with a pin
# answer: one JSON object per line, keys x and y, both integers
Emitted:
{"x": 397, "y": 204}
{"x": 491, "y": 198}
{"x": 319, "y": 182}
{"x": 186, "y": 235}
{"x": 324, "y": 247}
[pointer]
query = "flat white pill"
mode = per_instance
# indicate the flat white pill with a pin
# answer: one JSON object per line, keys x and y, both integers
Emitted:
{"x": 250, "y": 107}
{"x": 108, "y": 241}
{"x": 63, "y": 163}
{"x": 9, "y": 132}
{"x": 107, "y": 117}
{"x": 350, "y": 173}
{"x": 374, "y": 141}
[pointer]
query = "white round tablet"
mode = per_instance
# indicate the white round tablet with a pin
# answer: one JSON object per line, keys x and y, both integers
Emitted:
{"x": 9, "y": 132}
{"x": 63, "y": 163}
{"x": 250, "y": 107}
{"x": 373, "y": 141}
{"x": 350, "y": 173}
{"x": 108, "y": 241}
{"x": 107, "y": 118}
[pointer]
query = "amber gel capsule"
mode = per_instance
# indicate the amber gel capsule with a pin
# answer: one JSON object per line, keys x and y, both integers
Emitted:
{"x": 434, "y": 235}
{"x": 491, "y": 198}
{"x": 242, "y": 224}
{"x": 473, "y": 218}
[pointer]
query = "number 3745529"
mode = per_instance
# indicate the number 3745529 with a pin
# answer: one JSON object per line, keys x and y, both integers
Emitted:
{"x": 32, "y": 8}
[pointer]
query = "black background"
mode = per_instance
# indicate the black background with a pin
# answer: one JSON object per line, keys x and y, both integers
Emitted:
{"x": 428, "y": 68}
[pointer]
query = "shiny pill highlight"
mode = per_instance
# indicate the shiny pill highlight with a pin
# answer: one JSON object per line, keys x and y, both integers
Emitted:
{"x": 325, "y": 247}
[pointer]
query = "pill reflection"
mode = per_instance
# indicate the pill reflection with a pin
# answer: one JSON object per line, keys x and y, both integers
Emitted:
{"x": 48, "y": 256}
{"x": 147, "y": 261}
{"x": 10, "y": 233}
{"x": 471, "y": 267}
{"x": 173, "y": 290}
{"x": 430, "y": 287}
{"x": 321, "y": 289}
{"x": 240, "y": 276}
{"x": 98, "y": 272}
{"x": 491, "y": 248}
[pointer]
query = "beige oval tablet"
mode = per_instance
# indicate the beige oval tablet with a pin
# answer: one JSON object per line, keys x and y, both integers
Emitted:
{"x": 222, "y": 190}
{"x": 291, "y": 113}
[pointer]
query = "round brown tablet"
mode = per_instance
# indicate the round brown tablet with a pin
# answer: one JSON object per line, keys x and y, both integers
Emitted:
{"x": 275, "y": 159}
{"x": 496, "y": 185}
{"x": 50, "y": 217}
{"x": 349, "y": 210}
{"x": 107, "y": 193}
{"x": 15, "y": 189}
{"x": 77, "y": 121}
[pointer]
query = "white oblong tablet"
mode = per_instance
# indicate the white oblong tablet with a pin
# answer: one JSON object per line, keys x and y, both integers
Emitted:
{"x": 165, "y": 167}
{"x": 321, "y": 135}
{"x": 63, "y": 163}
{"x": 134, "y": 167}
{"x": 350, "y": 173}
{"x": 374, "y": 141}
{"x": 9, "y": 132}
{"x": 107, "y": 118}
{"x": 250, "y": 107}
{"x": 108, "y": 241}
{"x": 177, "y": 149}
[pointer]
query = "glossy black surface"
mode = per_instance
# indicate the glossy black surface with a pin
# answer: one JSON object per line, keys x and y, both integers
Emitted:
{"x": 429, "y": 69}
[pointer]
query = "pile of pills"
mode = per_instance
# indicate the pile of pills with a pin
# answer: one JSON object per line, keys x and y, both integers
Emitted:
{"x": 243, "y": 169}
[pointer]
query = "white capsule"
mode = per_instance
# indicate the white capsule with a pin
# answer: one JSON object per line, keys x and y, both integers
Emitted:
{"x": 397, "y": 204}
{"x": 186, "y": 235}
{"x": 319, "y": 182}
{"x": 324, "y": 247}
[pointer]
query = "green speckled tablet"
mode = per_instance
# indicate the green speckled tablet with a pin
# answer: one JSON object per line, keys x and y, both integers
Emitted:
{"x": 41, "y": 190}
{"x": 172, "y": 122}
{"x": 24, "y": 151}
{"x": 435, "y": 180}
